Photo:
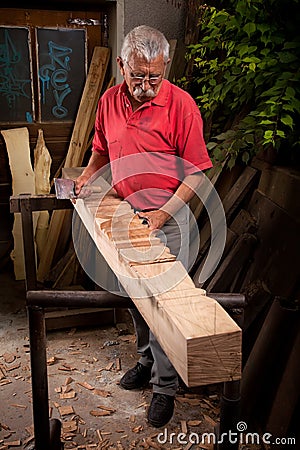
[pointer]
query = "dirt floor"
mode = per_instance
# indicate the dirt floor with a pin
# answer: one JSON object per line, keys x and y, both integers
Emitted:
{"x": 84, "y": 369}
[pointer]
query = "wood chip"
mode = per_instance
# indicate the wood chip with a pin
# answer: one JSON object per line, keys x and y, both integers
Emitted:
{"x": 142, "y": 404}
{"x": 132, "y": 418}
{"x": 68, "y": 380}
{"x": 85, "y": 385}
{"x": 64, "y": 395}
{"x": 69, "y": 426}
{"x": 66, "y": 368}
{"x": 102, "y": 413}
{"x": 183, "y": 426}
{"x": 194, "y": 423}
{"x": 13, "y": 443}
{"x": 153, "y": 444}
{"x": 188, "y": 446}
{"x": 137, "y": 429}
{"x": 9, "y": 358}
{"x": 106, "y": 408}
{"x": 102, "y": 392}
{"x": 2, "y": 372}
{"x": 128, "y": 338}
{"x": 65, "y": 410}
{"x": 29, "y": 439}
{"x": 13, "y": 367}
{"x": 209, "y": 420}
{"x": 4, "y": 382}
{"x": 109, "y": 366}
{"x": 99, "y": 435}
{"x": 118, "y": 364}
{"x": 52, "y": 360}
{"x": 17, "y": 405}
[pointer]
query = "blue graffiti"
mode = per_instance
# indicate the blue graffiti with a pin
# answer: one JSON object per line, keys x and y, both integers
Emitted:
{"x": 55, "y": 76}
{"x": 10, "y": 86}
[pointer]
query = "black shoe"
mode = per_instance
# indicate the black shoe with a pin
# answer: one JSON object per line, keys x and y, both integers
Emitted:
{"x": 160, "y": 410}
{"x": 136, "y": 377}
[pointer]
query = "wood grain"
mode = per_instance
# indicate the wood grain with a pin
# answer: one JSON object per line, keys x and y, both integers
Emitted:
{"x": 199, "y": 337}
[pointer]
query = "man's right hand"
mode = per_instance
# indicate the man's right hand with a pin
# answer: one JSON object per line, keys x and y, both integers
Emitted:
{"x": 79, "y": 183}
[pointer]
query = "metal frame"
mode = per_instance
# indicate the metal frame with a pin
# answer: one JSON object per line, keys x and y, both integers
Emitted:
{"x": 47, "y": 432}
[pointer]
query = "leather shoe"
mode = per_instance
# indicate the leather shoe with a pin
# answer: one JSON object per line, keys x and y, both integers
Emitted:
{"x": 160, "y": 410}
{"x": 136, "y": 378}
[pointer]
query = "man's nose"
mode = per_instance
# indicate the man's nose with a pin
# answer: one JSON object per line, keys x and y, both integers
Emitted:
{"x": 144, "y": 84}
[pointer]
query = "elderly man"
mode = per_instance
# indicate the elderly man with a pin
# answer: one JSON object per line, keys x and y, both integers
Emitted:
{"x": 157, "y": 126}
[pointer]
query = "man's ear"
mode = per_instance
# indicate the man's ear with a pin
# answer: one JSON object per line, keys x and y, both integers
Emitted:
{"x": 121, "y": 65}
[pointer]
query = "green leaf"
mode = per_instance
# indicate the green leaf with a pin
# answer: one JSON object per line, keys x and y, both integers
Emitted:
{"x": 288, "y": 121}
{"x": 266, "y": 122}
{"x": 231, "y": 162}
{"x": 268, "y": 134}
{"x": 249, "y": 28}
{"x": 245, "y": 157}
{"x": 287, "y": 57}
{"x": 280, "y": 133}
{"x": 211, "y": 145}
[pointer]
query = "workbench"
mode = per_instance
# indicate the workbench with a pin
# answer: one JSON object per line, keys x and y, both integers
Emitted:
{"x": 47, "y": 432}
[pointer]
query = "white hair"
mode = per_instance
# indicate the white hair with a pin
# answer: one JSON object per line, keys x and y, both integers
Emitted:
{"x": 145, "y": 42}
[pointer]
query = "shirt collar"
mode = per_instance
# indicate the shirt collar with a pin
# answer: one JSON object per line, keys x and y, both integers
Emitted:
{"x": 161, "y": 98}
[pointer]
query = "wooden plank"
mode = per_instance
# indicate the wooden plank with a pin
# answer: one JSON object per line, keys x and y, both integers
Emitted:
{"x": 199, "y": 337}
{"x": 87, "y": 107}
{"x": 77, "y": 148}
{"x": 23, "y": 181}
{"x": 276, "y": 260}
{"x": 233, "y": 264}
{"x": 42, "y": 166}
{"x": 173, "y": 45}
{"x": 234, "y": 199}
{"x": 278, "y": 183}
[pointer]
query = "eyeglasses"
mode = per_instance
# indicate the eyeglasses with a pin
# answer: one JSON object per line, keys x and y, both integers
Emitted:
{"x": 139, "y": 79}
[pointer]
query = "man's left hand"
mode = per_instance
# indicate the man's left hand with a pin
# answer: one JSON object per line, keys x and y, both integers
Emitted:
{"x": 156, "y": 219}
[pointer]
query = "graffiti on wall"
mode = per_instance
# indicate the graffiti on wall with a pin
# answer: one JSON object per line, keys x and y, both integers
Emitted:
{"x": 62, "y": 71}
{"x": 15, "y": 77}
{"x": 54, "y": 76}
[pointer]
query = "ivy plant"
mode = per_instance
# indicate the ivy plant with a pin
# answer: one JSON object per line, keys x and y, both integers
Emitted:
{"x": 245, "y": 77}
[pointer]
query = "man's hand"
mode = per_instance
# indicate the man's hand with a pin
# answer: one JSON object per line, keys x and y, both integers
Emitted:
{"x": 156, "y": 219}
{"x": 79, "y": 183}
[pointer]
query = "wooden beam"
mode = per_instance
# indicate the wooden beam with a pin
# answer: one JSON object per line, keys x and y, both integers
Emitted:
{"x": 199, "y": 337}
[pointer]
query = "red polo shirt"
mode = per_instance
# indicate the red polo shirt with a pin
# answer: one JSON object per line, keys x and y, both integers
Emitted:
{"x": 152, "y": 149}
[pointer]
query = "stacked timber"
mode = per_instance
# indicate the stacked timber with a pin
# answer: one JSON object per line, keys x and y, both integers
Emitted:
{"x": 201, "y": 340}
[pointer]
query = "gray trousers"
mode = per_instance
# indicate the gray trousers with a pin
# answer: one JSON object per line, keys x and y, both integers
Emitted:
{"x": 163, "y": 375}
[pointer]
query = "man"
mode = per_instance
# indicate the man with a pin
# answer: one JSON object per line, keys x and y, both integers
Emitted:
{"x": 151, "y": 124}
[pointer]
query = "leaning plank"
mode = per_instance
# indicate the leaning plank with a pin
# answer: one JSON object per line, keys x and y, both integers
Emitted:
{"x": 199, "y": 337}
{"x": 23, "y": 182}
{"x": 42, "y": 166}
{"x": 77, "y": 149}
{"x": 87, "y": 107}
{"x": 234, "y": 199}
